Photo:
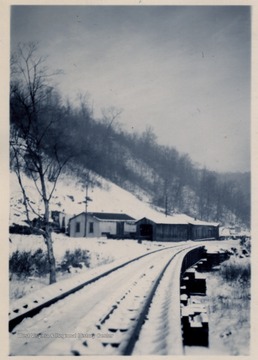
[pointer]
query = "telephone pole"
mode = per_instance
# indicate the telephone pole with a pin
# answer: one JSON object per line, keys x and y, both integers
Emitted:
{"x": 86, "y": 209}
{"x": 87, "y": 199}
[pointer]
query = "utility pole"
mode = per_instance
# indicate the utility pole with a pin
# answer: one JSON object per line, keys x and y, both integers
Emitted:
{"x": 166, "y": 197}
{"x": 87, "y": 198}
{"x": 166, "y": 204}
{"x": 86, "y": 209}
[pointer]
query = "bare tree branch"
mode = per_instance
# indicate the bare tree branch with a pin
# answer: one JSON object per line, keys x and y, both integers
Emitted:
{"x": 33, "y": 114}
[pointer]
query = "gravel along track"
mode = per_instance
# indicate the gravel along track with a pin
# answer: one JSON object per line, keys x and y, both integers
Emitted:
{"x": 106, "y": 316}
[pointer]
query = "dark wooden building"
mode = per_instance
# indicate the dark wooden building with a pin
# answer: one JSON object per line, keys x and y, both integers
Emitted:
{"x": 175, "y": 228}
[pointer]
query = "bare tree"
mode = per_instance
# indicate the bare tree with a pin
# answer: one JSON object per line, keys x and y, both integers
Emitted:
{"x": 35, "y": 116}
{"x": 110, "y": 117}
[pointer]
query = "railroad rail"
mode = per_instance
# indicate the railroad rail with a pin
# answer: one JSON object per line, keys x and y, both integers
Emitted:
{"x": 111, "y": 320}
{"x": 31, "y": 305}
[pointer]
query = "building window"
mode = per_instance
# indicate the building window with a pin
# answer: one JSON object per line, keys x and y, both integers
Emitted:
{"x": 91, "y": 224}
{"x": 78, "y": 227}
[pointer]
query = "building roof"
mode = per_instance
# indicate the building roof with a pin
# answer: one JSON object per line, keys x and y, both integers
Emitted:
{"x": 108, "y": 216}
{"x": 111, "y": 216}
{"x": 163, "y": 219}
{"x": 177, "y": 219}
{"x": 195, "y": 221}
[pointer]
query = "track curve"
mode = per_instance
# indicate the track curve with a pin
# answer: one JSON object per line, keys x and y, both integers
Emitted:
{"x": 105, "y": 317}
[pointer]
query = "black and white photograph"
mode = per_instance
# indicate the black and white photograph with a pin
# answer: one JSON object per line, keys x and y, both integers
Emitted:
{"x": 129, "y": 174}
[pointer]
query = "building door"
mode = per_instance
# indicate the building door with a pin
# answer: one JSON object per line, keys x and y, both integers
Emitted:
{"x": 146, "y": 231}
{"x": 120, "y": 229}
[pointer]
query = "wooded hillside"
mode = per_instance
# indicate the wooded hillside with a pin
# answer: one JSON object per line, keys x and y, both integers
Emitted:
{"x": 71, "y": 137}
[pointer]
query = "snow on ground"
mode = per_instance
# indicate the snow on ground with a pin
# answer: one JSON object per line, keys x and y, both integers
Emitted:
{"x": 120, "y": 250}
{"x": 102, "y": 251}
{"x": 105, "y": 248}
{"x": 106, "y": 253}
{"x": 93, "y": 302}
{"x": 217, "y": 245}
{"x": 229, "y": 320}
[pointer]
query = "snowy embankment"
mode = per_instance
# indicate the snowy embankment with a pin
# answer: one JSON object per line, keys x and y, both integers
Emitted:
{"x": 101, "y": 252}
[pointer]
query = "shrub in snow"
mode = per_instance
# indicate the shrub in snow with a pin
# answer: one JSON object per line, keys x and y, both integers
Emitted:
{"x": 40, "y": 262}
{"x": 20, "y": 264}
{"x": 26, "y": 263}
{"x": 236, "y": 270}
{"x": 246, "y": 245}
{"x": 75, "y": 259}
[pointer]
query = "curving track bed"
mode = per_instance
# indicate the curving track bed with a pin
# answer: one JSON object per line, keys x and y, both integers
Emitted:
{"x": 134, "y": 309}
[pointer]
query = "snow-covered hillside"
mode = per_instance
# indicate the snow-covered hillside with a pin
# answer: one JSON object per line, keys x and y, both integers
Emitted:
{"x": 69, "y": 198}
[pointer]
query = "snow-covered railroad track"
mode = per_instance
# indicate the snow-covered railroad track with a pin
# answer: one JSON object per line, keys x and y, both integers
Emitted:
{"x": 104, "y": 317}
{"x": 34, "y": 303}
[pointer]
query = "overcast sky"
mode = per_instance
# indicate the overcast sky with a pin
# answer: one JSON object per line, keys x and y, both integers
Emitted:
{"x": 184, "y": 71}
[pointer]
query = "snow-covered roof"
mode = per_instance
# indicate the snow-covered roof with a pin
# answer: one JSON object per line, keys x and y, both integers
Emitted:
{"x": 194, "y": 221}
{"x": 101, "y": 216}
{"x": 179, "y": 219}
{"x": 163, "y": 219}
{"x": 200, "y": 222}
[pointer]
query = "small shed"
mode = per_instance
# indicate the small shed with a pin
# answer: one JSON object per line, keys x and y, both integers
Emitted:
{"x": 97, "y": 224}
{"x": 60, "y": 221}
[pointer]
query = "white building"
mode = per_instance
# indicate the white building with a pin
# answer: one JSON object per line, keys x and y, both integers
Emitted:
{"x": 97, "y": 224}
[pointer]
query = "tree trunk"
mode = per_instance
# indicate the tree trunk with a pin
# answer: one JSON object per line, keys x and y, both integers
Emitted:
{"x": 48, "y": 229}
{"x": 51, "y": 257}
